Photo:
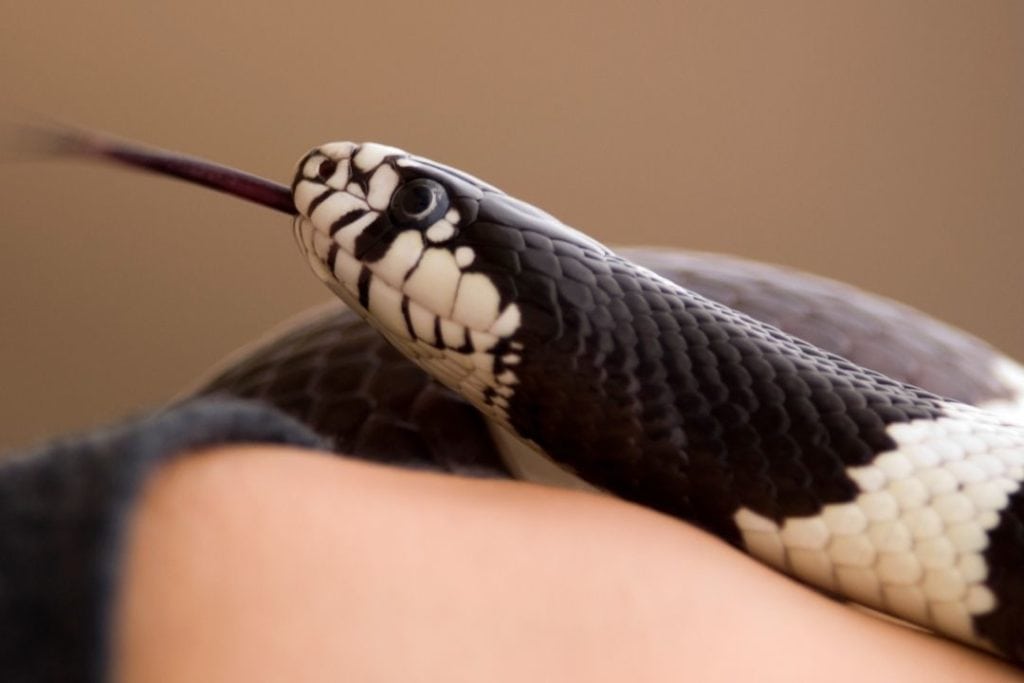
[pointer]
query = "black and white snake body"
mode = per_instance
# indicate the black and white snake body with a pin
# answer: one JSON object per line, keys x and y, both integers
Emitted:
{"x": 854, "y": 482}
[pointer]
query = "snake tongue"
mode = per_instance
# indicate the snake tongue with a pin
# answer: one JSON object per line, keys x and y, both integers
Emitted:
{"x": 68, "y": 141}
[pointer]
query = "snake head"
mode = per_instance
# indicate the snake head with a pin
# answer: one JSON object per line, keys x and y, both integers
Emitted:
{"x": 399, "y": 239}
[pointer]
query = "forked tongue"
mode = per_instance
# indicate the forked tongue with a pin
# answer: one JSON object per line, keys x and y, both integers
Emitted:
{"x": 37, "y": 140}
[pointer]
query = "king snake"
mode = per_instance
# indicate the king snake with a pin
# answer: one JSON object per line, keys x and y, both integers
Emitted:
{"x": 637, "y": 373}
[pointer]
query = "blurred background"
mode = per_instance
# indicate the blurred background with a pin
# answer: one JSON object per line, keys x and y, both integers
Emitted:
{"x": 877, "y": 142}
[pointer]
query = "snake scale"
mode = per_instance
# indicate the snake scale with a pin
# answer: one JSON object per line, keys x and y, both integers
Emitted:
{"x": 547, "y": 346}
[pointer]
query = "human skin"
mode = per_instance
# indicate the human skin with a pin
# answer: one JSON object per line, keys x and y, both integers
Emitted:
{"x": 265, "y": 563}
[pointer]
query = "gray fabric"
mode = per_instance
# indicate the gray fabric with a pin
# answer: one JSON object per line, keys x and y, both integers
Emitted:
{"x": 62, "y": 508}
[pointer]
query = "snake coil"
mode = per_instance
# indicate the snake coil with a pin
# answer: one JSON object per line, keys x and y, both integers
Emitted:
{"x": 853, "y": 481}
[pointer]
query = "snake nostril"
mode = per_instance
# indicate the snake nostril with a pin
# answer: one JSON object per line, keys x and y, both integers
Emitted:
{"x": 326, "y": 169}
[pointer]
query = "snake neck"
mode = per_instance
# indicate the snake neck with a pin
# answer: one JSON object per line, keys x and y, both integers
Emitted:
{"x": 689, "y": 406}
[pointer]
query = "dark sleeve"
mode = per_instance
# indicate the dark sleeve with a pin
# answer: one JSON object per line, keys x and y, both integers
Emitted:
{"x": 62, "y": 510}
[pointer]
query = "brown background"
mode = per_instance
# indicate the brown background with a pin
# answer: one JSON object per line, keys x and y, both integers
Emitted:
{"x": 881, "y": 143}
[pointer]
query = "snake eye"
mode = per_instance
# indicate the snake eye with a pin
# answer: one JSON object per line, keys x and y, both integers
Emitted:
{"x": 419, "y": 203}
{"x": 326, "y": 169}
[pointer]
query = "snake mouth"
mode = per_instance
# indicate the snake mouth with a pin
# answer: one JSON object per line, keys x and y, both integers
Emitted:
{"x": 475, "y": 360}
{"x": 195, "y": 170}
